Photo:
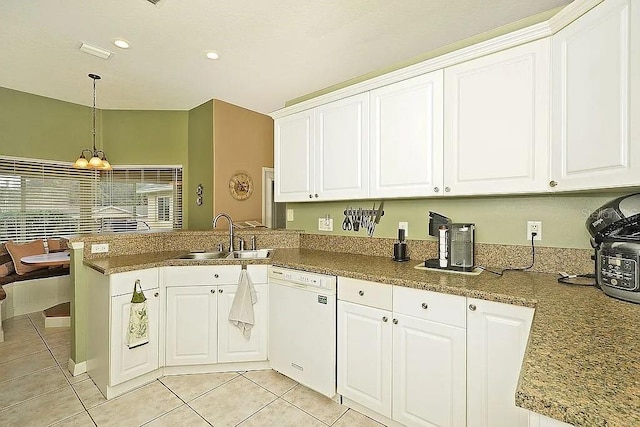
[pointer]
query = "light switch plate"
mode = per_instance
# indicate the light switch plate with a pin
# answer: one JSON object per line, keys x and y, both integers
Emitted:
{"x": 289, "y": 214}
{"x": 100, "y": 248}
{"x": 325, "y": 224}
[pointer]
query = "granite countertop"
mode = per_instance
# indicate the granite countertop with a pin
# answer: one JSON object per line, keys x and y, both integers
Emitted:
{"x": 581, "y": 362}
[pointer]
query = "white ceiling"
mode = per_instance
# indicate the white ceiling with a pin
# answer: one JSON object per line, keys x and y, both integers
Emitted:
{"x": 271, "y": 50}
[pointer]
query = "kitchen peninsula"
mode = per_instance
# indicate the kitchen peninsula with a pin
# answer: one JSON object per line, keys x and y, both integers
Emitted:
{"x": 579, "y": 366}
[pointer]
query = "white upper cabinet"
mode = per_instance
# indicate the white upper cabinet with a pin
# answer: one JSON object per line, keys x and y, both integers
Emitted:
{"x": 497, "y": 122}
{"x": 342, "y": 149}
{"x": 406, "y": 138}
{"x": 322, "y": 154}
{"x": 293, "y": 161}
{"x": 596, "y": 73}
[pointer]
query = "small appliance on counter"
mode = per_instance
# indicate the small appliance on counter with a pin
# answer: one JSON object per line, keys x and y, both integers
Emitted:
{"x": 456, "y": 249}
{"x": 400, "y": 248}
{"x": 615, "y": 231}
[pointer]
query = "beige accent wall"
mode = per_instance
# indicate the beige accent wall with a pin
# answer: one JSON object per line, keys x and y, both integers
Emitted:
{"x": 242, "y": 141}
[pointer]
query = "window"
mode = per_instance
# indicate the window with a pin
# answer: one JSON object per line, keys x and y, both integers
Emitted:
{"x": 164, "y": 206}
{"x": 40, "y": 198}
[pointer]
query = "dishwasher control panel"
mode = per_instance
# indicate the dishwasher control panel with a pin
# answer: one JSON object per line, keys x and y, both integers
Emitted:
{"x": 304, "y": 278}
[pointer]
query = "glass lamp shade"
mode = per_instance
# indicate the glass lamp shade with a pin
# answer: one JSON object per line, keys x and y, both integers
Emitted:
{"x": 95, "y": 162}
{"x": 106, "y": 165}
{"x": 81, "y": 163}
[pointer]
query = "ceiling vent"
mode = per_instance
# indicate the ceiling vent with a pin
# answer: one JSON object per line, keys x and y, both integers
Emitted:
{"x": 156, "y": 2}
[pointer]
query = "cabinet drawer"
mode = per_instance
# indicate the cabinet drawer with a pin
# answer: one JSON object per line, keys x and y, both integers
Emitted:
{"x": 434, "y": 306}
{"x": 363, "y": 292}
{"x": 122, "y": 283}
{"x": 201, "y": 275}
{"x": 258, "y": 273}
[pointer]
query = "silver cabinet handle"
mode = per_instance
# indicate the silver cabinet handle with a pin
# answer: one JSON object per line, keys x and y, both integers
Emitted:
{"x": 311, "y": 196}
{"x": 156, "y": 294}
{"x": 213, "y": 291}
{"x": 395, "y": 321}
{"x": 220, "y": 290}
{"x": 552, "y": 183}
{"x": 316, "y": 195}
{"x": 424, "y": 305}
{"x": 447, "y": 189}
{"x": 472, "y": 307}
{"x": 216, "y": 275}
{"x": 385, "y": 318}
{"x": 436, "y": 190}
{"x": 361, "y": 293}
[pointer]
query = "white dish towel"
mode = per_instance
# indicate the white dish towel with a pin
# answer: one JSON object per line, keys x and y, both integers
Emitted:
{"x": 241, "y": 313}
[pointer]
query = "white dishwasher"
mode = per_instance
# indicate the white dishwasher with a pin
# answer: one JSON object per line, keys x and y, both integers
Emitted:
{"x": 302, "y": 327}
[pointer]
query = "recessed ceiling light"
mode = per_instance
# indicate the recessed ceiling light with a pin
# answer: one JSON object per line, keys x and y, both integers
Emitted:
{"x": 121, "y": 43}
{"x": 213, "y": 55}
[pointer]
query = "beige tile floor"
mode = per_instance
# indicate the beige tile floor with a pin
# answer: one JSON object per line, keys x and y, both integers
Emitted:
{"x": 37, "y": 390}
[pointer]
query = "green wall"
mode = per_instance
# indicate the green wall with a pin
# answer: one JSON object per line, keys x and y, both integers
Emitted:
{"x": 499, "y": 220}
{"x": 200, "y": 161}
{"x": 37, "y": 127}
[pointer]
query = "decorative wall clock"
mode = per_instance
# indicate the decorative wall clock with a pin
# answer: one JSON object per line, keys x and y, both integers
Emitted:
{"x": 241, "y": 185}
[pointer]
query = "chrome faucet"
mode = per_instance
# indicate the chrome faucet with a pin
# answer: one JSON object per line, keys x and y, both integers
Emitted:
{"x": 215, "y": 221}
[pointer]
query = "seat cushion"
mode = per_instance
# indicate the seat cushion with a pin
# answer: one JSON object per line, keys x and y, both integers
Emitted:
{"x": 19, "y": 251}
{"x": 6, "y": 269}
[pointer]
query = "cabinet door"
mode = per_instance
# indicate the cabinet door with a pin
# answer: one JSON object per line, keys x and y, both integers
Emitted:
{"x": 233, "y": 346}
{"x": 497, "y": 336}
{"x": 497, "y": 122}
{"x": 406, "y": 138}
{"x": 294, "y": 157}
{"x": 342, "y": 149}
{"x": 429, "y": 382}
{"x": 596, "y": 73}
{"x": 364, "y": 356}
{"x": 129, "y": 363}
{"x": 191, "y": 325}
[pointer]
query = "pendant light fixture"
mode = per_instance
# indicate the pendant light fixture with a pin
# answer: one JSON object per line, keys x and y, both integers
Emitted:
{"x": 97, "y": 158}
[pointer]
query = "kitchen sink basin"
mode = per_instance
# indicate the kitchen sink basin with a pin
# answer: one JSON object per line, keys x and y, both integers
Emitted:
{"x": 204, "y": 255}
{"x": 257, "y": 254}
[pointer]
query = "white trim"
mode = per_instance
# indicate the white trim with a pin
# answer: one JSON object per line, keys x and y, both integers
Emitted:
{"x": 265, "y": 189}
{"x": 30, "y": 159}
{"x": 76, "y": 368}
{"x": 77, "y": 245}
{"x": 115, "y": 167}
{"x": 516, "y": 38}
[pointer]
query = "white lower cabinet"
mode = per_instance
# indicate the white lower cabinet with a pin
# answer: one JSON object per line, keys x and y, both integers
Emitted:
{"x": 197, "y": 323}
{"x": 110, "y": 361}
{"x": 233, "y": 346}
{"x": 402, "y": 363}
{"x": 192, "y": 319}
{"x": 497, "y": 336}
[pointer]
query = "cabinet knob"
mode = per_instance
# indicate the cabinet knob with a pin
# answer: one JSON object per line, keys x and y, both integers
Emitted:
{"x": 552, "y": 183}
{"x": 156, "y": 294}
{"x": 316, "y": 195}
{"x": 216, "y": 275}
{"x": 213, "y": 291}
{"x": 436, "y": 190}
{"x": 425, "y": 305}
{"x": 220, "y": 290}
{"x": 472, "y": 307}
{"x": 447, "y": 189}
{"x": 385, "y": 318}
{"x": 361, "y": 293}
{"x": 311, "y": 196}
{"x": 395, "y": 321}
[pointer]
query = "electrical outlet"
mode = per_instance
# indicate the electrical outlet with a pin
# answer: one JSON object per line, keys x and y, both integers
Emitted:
{"x": 289, "y": 214}
{"x": 325, "y": 224}
{"x": 405, "y": 226}
{"x": 100, "y": 248}
{"x": 534, "y": 227}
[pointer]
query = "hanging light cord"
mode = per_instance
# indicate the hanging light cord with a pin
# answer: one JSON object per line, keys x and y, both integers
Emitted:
{"x": 533, "y": 261}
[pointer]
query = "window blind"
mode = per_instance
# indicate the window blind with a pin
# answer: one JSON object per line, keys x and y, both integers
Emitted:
{"x": 40, "y": 199}
{"x": 141, "y": 198}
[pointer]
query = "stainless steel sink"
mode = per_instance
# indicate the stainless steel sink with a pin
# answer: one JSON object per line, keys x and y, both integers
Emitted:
{"x": 257, "y": 254}
{"x": 204, "y": 255}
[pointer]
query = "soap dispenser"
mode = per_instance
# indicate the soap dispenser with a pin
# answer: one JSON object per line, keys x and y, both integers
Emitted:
{"x": 400, "y": 247}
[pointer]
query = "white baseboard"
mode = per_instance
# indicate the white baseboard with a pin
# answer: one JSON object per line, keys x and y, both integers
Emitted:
{"x": 57, "y": 322}
{"x": 76, "y": 368}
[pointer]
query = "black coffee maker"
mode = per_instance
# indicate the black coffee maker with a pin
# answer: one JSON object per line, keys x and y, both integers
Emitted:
{"x": 456, "y": 249}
